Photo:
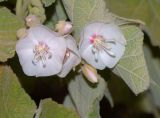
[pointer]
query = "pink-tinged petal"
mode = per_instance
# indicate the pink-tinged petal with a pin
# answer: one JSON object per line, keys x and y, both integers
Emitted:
{"x": 71, "y": 62}
{"x": 24, "y": 43}
{"x": 71, "y": 44}
{"x": 87, "y": 33}
{"x": 73, "y": 59}
{"x": 41, "y": 33}
{"x": 58, "y": 48}
{"x": 110, "y": 61}
{"x": 89, "y": 57}
{"x": 29, "y": 69}
{"x": 91, "y": 29}
{"x": 25, "y": 56}
{"x": 112, "y": 31}
{"x": 41, "y": 52}
{"x": 53, "y": 66}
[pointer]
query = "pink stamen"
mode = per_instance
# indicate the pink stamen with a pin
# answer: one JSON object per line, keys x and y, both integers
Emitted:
{"x": 92, "y": 38}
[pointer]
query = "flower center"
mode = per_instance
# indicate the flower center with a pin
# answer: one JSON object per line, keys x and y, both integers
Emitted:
{"x": 41, "y": 54}
{"x": 101, "y": 44}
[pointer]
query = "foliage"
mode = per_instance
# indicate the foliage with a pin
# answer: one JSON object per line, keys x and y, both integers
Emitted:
{"x": 145, "y": 10}
{"x": 14, "y": 102}
{"x": 9, "y": 24}
{"x": 83, "y": 97}
{"x": 48, "y": 2}
{"x": 51, "y": 109}
{"x": 132, "y": 70}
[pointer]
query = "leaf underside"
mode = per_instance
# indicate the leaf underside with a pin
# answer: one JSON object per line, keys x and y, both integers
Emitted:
{"x": 14, "y": 102}
{"x": 9, "y": 24}
{"x": 145, "y": 10}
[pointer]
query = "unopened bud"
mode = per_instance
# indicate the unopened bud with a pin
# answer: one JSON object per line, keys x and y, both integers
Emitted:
{"x": 32, "y": 21}
{"x": 90, "y": 73}
{"x": 21, "y": 33}
{"x": 63, "y": 27}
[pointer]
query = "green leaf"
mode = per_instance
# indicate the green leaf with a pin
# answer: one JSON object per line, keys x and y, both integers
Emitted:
{"x": 50, "y": 109}
{"x": 14, "y": 102}
{"x": 86, "y": 97}
{"x": 153, "y": 63}
{"x": 56, "y": 15}
{"x": 9, "y": 24}
{"x": 132, "y": 66}
{"x": 145, "y": 10}
{"x": 48, "y": 2}
{"x": 68, "y": 102}
{"x": 82, "y": 12}
{"x": 60, "y": 11}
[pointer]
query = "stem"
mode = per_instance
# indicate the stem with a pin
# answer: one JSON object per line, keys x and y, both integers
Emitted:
{"x": 19, "y": 11}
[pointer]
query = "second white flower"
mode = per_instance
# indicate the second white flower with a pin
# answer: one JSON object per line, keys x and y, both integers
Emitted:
{"x": 102, "y": 45}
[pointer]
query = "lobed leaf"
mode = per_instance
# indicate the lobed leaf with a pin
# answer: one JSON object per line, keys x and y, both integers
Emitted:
{"x": 132, "y": 67}
{"x": 145, "y": 10}
{"x": 14, "y": 102}
{"x": 86, "y": 97}
{"x": 50, "y": 109}
{"x": 9, "y": 24}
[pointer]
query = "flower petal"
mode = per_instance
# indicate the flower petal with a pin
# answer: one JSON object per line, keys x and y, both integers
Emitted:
{"x": 110, "y": 61}
{"x": 30, "y": 69}
{"x": 41, "y": 33}
{"x": 87, "y": 32}
{"x": 112, "y": 32}
{"x": 25, "y": 43}
{"x": 53, "y": 66}
{"x": 71, "y": 62}
{"x": 71, "y": 44}
{"x": 89, "y": 57}
{"x": 25, "y": 58}
{"x": 73, "y": 59}
{"x": 58, "y": 47}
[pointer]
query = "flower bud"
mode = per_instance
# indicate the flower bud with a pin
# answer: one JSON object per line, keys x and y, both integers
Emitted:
{"x": 90, "y": 73}
{"x": 32, "y": 20}
{"x": 21, "y": 33}
{"x": 63, "y": 27}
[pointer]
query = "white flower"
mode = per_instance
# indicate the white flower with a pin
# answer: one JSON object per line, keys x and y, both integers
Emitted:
{"x": 71, "y": 58}
{"x": 41, "y": 52}
{"x": 102, "y": 45}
